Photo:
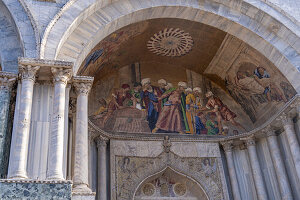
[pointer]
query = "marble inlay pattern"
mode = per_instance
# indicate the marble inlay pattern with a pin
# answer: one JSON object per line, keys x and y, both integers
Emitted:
{"x": 32, "y": 191}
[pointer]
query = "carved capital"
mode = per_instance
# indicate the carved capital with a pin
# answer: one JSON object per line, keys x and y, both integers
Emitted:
{"x": 28, "y": 72}
{"x": 227, "y": 145}
{"x": 101, "y": 142}
{"x": 269, "y": 131}
{"x": 285, "y": 119}
{"x": 7, "y": 80}
{"x": 61, "y": 74}
{"x": 83, "y": 84}
{"x": 250, "y": 141}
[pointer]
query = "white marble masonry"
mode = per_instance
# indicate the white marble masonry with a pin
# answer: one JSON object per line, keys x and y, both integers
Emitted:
{"x": 256, "y": 170}
{"x": 56, "y": 141}
{"x": 82, "y": 86}
{"x": 102, "y": 171}
{"x": 232, "y": 173}
{"x": 288, "y": 126}
{"x": 19, "y": 144}
{"x": 282, "y": 178}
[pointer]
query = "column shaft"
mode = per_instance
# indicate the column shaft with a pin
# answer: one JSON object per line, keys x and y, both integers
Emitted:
{"x": 102, "y": 173}
{"x": 256, "y": 171}
{"x": 232, "y": 174}
{"x": 6, "y": 82}
{"x": 293, "y": 142}
{"x": 281, "y": 174}
{"x": 18, "y": 157}
{"x": 81, "y": 170}
{"x": 56, "y": 141}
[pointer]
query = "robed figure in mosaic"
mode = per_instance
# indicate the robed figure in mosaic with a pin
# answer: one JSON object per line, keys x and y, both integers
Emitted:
{"x": 172, "y": 116}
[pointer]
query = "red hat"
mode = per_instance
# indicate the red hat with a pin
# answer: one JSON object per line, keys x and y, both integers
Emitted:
{"x": 124, "y": 86}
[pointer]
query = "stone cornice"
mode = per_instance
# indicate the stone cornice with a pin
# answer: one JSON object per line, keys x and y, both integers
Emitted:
{"x": 44, "y": 63}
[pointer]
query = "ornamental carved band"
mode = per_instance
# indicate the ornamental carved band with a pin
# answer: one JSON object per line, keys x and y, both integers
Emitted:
{"x": 28, "y": 72}
{"x": 61, "y": 74}
{"x": 7, "y": 80}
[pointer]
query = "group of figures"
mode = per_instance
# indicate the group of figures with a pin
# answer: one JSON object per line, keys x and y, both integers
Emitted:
{"x": 171, "y": 109}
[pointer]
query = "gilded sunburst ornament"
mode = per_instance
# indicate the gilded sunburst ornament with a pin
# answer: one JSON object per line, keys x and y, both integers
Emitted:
{"x": 170, "y": 42}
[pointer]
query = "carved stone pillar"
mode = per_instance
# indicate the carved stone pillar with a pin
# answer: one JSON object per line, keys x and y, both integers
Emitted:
{"x": 278, "y": 163}
{"x": 227, "y": 146}
{"x": 56, "y": 140}
{"x": 256, "y": 170}
{"x": 291, "y": 137}
{"x": 19, "y": 144}
{"x": 6, "y": 82}
{"x": 102, "y": 172}
{"x": 82, "y": 86}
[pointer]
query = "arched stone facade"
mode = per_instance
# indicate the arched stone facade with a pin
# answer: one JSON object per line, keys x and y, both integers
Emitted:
{"x": 86, "y": 134}
{"x": 273, "y": 38}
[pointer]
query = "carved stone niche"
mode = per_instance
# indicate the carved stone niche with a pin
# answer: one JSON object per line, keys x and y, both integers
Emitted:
{"x": 137, "y": 167}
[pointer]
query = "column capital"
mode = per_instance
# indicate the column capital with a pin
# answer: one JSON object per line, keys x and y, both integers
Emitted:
{"x": 83, "y": 84}
{"x": 285, "y": 119}
{"x": 61, "y": 74}
{"x": 250, "y": 141}
{"x": 101, "y": 142}
{"x": 7, "y": 80}
{"x": 28, "y": 72}
{"x": 227, "y": 145}
{"x": 269, "y": 131}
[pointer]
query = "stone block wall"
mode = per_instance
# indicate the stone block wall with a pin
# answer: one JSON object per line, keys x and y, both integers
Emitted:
{"x": 35, "y": 190}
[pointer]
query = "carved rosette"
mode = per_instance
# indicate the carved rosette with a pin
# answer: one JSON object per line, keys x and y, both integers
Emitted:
{"x": 227, "y": 146}
{"x": 7, "y": 80}
{"x": 61, "y": 74}
{"x": 83, "y": 84}
{"x": 28, "y": 72}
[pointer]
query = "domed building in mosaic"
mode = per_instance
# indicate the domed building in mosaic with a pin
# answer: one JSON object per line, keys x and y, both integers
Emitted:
{"x": 150, "y": 99}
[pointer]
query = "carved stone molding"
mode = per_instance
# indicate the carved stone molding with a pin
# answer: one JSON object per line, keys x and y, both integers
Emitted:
{"x": 83, "y": 84}
{"x": 61, "y": 74}
{"x": 28, "y": 72}
{"x": 227, "y": 145}
{"x": 7, "y": 80}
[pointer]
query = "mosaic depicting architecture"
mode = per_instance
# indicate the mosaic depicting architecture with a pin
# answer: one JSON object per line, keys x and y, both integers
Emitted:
{"x": 149, "y": 100}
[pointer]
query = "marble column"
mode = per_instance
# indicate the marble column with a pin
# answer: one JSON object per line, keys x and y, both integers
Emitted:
{"x": 81, "y": 171}
{"x": 18, "y": 157}
{"x": 102, "y": 173}
{"x": 6, "y": 82}
{"x": 282, "y": 178}
{"x": 227, "y": 146}
{"x": 256, "y": 170}
{"x": 290, "y": 133}
{"x": 56, "y": 140}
